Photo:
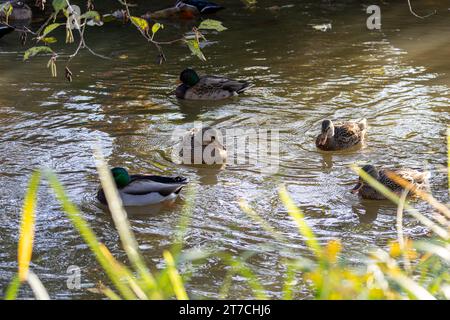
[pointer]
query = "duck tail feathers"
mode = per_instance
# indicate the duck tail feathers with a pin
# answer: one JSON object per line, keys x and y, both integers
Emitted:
{"x": 363, "y": 124}
{"x": 245, "y": 86}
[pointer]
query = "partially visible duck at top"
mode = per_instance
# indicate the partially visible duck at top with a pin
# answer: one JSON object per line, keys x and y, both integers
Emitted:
{"x": 194, "y": 87}
{"x": 419, "y": 181}
{"x": 143, "y": 190}
{"x": 341, "y": 136}
{"x": 20, "y": 11}
{"x": 181, "y": 11}
{"x": 204, "y": 7}
{"x": 5, "y": 29}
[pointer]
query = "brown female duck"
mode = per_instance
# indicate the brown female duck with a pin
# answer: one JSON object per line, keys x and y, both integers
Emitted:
{"x": 418, "y": 179}
{"x": 341, "y": 135}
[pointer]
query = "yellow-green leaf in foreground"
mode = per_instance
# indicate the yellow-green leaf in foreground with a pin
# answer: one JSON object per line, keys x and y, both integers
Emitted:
{"x": 299, "y": 218}
{"x": 35, "y": 51}
{"x": 50, "y": 28}
{"x": 210, "y": 24}
{"x": 91, "y": 15}
{"x": 27, "y": 226}
{"x": 140, "y": 23}
{"x": 59, "y": 5}
{"x": 195, "y": 49}
{"x": 49, "y": 40}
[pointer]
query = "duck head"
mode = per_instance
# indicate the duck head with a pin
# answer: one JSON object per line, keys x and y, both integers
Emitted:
{"x": 207, "y": 136}
{"x": 121, "y": 177}
{"x": 370, "y": 170}
{"x": 326, "y": 133}
{"x": 189, "y": 77}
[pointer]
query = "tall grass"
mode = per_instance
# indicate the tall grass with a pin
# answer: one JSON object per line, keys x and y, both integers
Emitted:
{"x": 406, "y": 270}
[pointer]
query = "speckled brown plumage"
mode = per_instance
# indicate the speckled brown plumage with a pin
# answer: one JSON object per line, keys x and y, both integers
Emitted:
{"x": 341, "y": 135}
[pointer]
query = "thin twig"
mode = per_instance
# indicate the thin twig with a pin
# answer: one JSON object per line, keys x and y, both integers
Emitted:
{"x": 416, "y": 15}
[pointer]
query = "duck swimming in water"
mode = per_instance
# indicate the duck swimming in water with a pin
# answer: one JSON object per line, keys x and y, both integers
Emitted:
{"x": 341, "y": 136}
{"x": 419, "y": 181}
{"x": 142, "y": 190}
{"x": 203, "y": 147}
{"x": 181, "y": 11}
{"x": 204, "y": 7}
{"x": 194, "y": 87}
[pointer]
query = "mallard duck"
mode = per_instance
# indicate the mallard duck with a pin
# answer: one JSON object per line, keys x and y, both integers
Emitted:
{"x": 142, "y": 190}
{"x": 341, "y": 136}
{"x": 4, "y": 30}
{"x": 205, "y": 7}
{"x": 180, "y": 11}
{"x": 203, "y": 147}
{"x": 418, "y": 179}
{"x": 21, "y": 11}
{"x": 194, "y": 87}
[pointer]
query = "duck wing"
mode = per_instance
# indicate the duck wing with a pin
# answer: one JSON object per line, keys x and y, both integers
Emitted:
{"x": 145, "y": 184}
{"x": 222, "y": 83}
{"x": 349, "y": 133}
{"x": 4, "y": 30}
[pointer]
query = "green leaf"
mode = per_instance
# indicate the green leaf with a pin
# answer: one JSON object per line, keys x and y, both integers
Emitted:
{"x": 140, "y": 23}
{"x": 108, "y": 18}
{"x": 91, "y": 15}
{"x": 35, "y": 51}
{"x": 210, "y": 24}
{"x": 59, "y": 5}
{"x": 195, "y": 49}
{"x": 50, "y": 28}
{"x": 49, "y": 40}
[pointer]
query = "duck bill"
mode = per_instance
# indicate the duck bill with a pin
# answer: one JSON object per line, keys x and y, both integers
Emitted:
{"x": 322, "y": 140}
{"x": 357, "y": 188}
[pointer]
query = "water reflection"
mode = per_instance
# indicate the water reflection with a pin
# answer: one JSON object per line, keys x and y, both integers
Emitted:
{"x": 301, "y": 77}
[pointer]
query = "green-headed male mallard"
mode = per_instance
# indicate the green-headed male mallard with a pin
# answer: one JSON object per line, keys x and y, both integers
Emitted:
{"x": 142, "y": 190}
{"x": 341, "y": 136}
{"x": 194, "y": 87}
{"x": 203, "y": 147}
{"x": 419, "y": 181}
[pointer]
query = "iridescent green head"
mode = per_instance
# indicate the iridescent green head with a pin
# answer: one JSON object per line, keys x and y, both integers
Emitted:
{"x": 121, "y": 177}
{"x": 189, "y": 77}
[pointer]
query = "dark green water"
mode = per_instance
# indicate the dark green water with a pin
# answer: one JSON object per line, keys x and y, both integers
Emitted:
{"x": 398, "y": 78}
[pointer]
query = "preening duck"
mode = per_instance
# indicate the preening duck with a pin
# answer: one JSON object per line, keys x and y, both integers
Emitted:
{"x": 418, "y": 179}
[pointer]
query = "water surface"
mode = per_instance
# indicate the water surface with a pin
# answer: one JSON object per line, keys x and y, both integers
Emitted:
{"x": 398, "y": 78}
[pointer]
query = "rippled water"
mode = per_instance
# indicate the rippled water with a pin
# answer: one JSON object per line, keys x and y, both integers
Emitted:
{"x": 398, "y": 78}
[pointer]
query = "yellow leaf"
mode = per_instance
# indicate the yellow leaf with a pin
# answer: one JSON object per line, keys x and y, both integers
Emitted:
{"x": 27, "y": 227}
{"x": 140, "y": 23}
{"x": 333, "y": 249}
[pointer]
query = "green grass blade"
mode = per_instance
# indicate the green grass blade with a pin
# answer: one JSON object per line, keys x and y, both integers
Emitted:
{"x": 175, "y": 278}
{"x": 299, "y": 218}
{"x": 13, "y": 288}
{"x": 122, "y": 224}
{"x": 88, "y": 236}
